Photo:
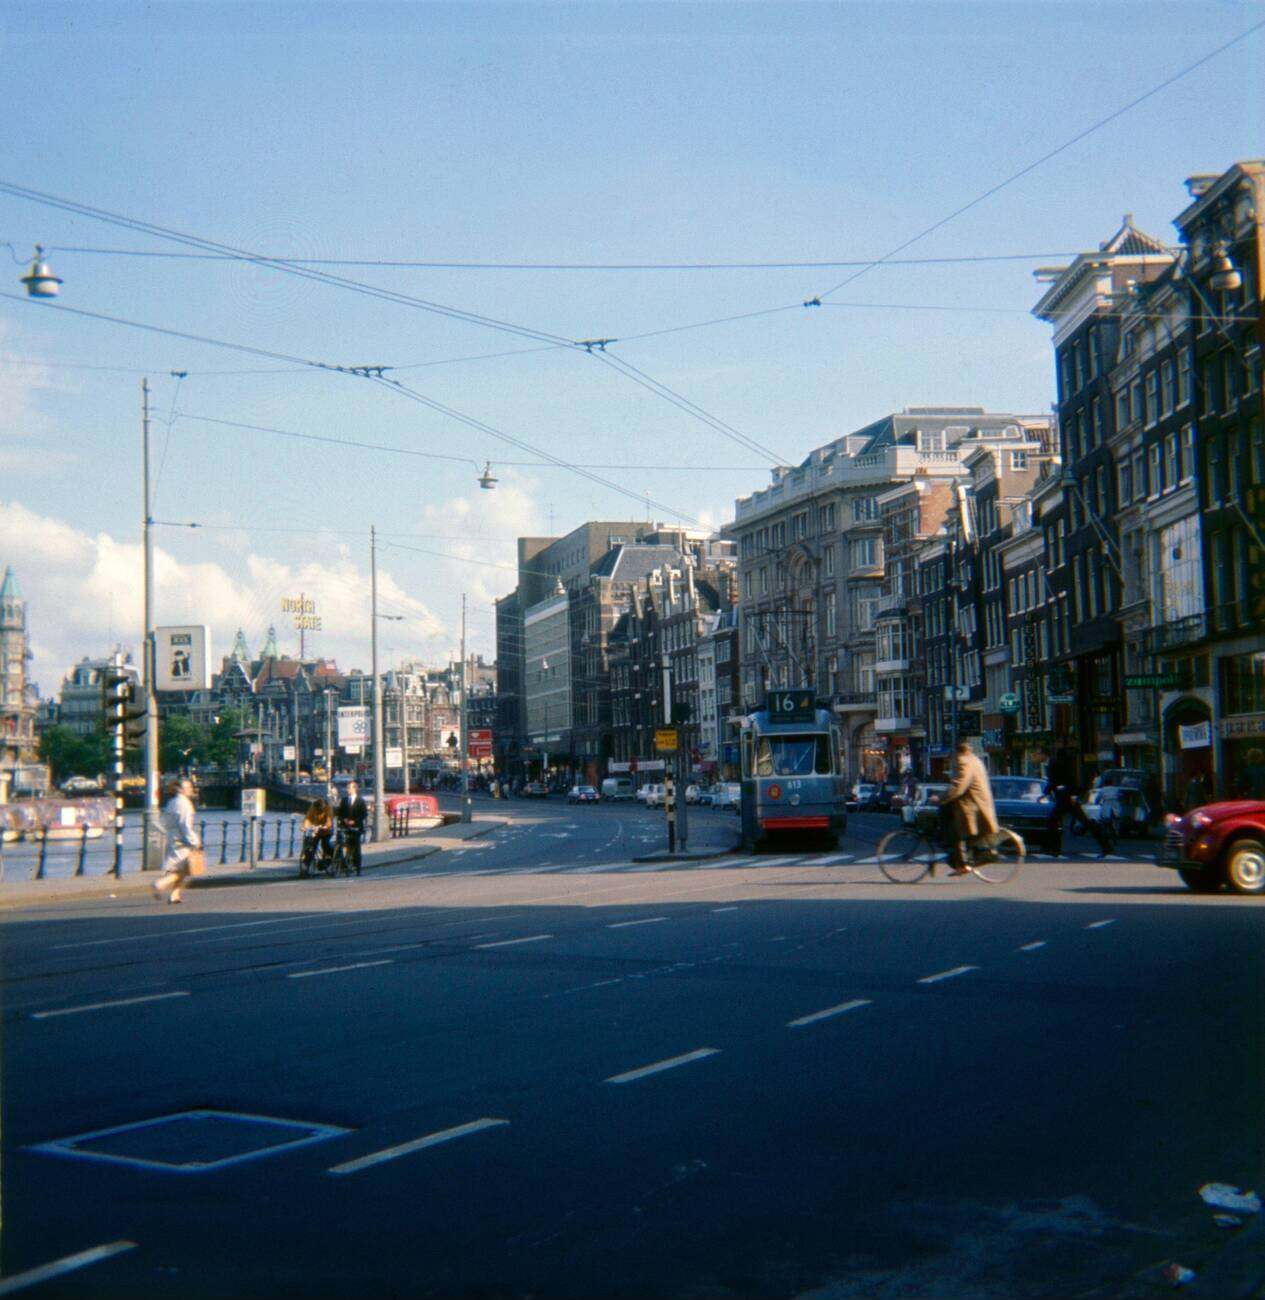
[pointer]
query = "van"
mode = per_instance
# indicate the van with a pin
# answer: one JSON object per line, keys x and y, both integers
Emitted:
{"x": 617, "y": 787}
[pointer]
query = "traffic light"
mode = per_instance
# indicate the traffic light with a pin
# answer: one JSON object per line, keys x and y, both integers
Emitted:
{"x": 122, "y": 705}
{"x": 134, "y": 715}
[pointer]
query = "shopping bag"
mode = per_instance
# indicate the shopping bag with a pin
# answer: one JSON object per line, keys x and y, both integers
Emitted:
{"x": 196, "y": 862}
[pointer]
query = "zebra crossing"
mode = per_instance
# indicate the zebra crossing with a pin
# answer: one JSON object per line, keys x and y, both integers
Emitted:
{"x": 731, "y": 862}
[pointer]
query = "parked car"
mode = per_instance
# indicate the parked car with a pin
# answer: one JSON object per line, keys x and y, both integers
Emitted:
{"x": 924, "y": 808}
{"x": 1025, "y": 804}
{"x": 1133, "y": 777}
{"x": 74, "y": 785}
{"x": 617, "y": 788}
{"x": 653, "y": 795}
{"x": 728, "y": 794}
{"x": 1218, "y": 844}
{"x": 693, "y": 793}
{"x": 582, "y": 794}
{"x": 535, "y": 790}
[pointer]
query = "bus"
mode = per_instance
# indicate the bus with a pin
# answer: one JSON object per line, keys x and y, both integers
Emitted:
{"x": 792, "y": 773}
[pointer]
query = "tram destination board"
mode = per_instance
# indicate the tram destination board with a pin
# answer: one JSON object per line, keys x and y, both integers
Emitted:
{"x": 791, "y": 705}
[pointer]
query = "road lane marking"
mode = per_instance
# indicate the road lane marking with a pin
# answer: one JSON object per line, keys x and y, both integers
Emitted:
{"x": 1032, "y": 947}
{"x": 1098, "y": 925}
{"x": 837, "y": 859}
{"x": 60, "y": 1267}
{"x": 505, "y": 943}
{"x": 418, "y": 1144}
{"x": 580, "y": 988}
{"x": 723, "y": 909}
{"x": 334, "y": 970}
{"x": 946, "y": 974}
{"x": 646, "y": 920}
{"x": 101, "y": 1006}
{"x": 176, "y": 934}
{"x": 670, "y": 1064}
{"x": 828, "y": 1012}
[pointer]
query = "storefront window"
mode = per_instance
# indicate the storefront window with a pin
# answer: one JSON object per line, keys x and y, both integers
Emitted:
{"x": 1243, "y": 683}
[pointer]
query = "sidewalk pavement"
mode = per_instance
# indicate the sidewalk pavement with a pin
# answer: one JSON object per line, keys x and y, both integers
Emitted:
{"x": 16, "y": 894}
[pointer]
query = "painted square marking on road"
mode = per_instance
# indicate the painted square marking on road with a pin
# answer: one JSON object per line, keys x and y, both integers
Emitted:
{"x": 629, "y": 1076}
{"x": 946, "y": 974}
{"x": 418, "y": 1144}
{"x": 1098, "y": 925}
{"x": 191, "y": 1141}
{"x": 828, "y": 1012}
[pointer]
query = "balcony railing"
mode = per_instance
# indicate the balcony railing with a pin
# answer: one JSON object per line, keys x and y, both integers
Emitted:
{"x": 1173, "y": 634}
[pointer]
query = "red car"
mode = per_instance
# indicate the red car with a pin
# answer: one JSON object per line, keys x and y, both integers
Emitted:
{"x": 1219, "y": 844}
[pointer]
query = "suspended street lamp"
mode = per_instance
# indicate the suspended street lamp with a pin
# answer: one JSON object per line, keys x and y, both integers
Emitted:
{"x": 486, "y": 480}
{"x": 39, "y": 280}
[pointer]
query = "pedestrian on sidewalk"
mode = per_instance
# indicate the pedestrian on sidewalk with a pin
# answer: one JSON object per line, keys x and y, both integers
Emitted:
{"x": 353, "y": 813}
{"x": 182, "y": 840}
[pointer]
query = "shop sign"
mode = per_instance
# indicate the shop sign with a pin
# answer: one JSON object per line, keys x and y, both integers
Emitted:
{"x": 1153, "y": 681}
{"x": 1008, "y": 703}
{"x": 619, "y": 767}
{"x": 665, "y": 740}
{"x": 1246, "y": 724}
{"x": 1197, "y": 737}
{"x": 1061, "y": 699}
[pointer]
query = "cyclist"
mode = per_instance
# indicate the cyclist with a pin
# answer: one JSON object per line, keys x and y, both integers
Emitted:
{"x": 318, "y": 832}
{"x": 969, "y": 801}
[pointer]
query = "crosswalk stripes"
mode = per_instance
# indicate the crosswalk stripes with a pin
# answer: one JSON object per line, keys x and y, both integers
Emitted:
{"x": 732, "y": 862}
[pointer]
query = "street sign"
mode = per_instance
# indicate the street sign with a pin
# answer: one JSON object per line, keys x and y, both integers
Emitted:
{"x": 253, "y": 803}
{"x": 1008, "y": 703}
{"x": 395, "y": 756}
{"x": 791, "y": 704}
{"x": 287, "y": 753}
{"x": 353, "y": 726}
{"x": 962, "y": 692}
{"x": 182, "y": 658}
{"x": 665, "y": 740}
{"x": 479, "y": 742}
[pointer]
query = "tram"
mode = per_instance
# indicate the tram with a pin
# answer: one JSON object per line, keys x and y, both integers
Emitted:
{"x": 792, "y": 775}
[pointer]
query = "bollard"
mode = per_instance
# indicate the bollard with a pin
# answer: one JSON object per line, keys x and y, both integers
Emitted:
{"x": 83, "y": 847}
{"x": 223, "y": 841}
{"x": 408, "y": 822}
{"x": 202, "y": 834}
{"x": 276, "y": 844}
{"x": 241, "y": 857}
{"x": 255, "y": 844}
{"x": 39, "y": 870}
{"x": 294, "y": 821}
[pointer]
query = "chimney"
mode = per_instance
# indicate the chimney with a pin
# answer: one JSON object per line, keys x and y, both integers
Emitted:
{"x": 1198, "y": 186}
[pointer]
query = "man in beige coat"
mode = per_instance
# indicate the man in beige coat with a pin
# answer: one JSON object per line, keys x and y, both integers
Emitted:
{"x": 970, "y": 799}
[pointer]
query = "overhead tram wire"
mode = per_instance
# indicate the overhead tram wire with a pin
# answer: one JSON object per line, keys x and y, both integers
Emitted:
{"x": 278, "y": 264}
{"x": 1046, "y": 157}
{"x": 463, "y": 460}
{"x": 366, "y": 373}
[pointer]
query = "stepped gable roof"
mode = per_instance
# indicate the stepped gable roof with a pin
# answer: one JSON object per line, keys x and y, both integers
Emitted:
{"x": 9, "y": 589}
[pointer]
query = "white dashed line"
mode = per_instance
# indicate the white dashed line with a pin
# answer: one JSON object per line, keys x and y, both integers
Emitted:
{"x": 334, "y": 970}
{"x": 724, "y": 909}
{"x": 946, "y": 974}
{"x": 419, "y": 1144}
{"x": 828, "y": 1012}
{"x": 60, "y": 1267}
{"x": 1098, "y": 925}
{"x": 1031, "y": 947}
{"x": 102, "y": 1006}
{"x": 174, "y": 934}
{"x": 505, "y": 943}
{"x": 670, "y": 1064}
{"x": 623, "y": 925}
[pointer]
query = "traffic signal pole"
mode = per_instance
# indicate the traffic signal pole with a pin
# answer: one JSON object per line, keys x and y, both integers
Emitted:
{"x": 148, "y": 653}
{"x": 118, "y": 705}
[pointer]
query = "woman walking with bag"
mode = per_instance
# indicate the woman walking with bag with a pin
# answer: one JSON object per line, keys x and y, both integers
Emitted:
{"x": 183, "y": 857}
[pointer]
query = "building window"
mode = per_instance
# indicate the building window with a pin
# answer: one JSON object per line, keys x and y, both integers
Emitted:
{"x": 831, "y": 614}
{"x": 1018, "y": 460}
{"x": 1153, "y": 470}
{"x": 764, "y": 580}
{"x": 864, "y": 509}
{"x": 1185, "y": 377}
{"x": 829, "y": 558}
{"x": 1172, "y": 461}
{"x": 1188, "y": 453}
{"x": 1124, "y": 481}
{"x": 864, "y": 553}
{"x": 746, "y": 586}
{"x": 1096, "y": 416}
{"x": 1122, "y": 408}
{"x": 1151, "y": 406}
{"x": 1168, "y": 387}
{"x": 930, "y": 441}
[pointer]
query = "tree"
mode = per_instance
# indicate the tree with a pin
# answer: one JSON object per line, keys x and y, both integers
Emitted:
{"x": 180, "y": 741}
{"x": 222, "y": 746}
{"x": 67, "y": 753}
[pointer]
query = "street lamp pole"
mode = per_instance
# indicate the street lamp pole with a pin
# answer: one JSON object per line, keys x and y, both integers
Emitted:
{"x": 465, "y": 746}
{"x": 379, "y": 758}
{"x": 148, "y": 655}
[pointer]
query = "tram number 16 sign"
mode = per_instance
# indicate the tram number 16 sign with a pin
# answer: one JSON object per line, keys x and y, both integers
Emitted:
{"x": 791, "y": 705}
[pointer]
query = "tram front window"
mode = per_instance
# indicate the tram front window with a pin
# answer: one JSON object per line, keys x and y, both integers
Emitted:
{"x": 793, "y": 756}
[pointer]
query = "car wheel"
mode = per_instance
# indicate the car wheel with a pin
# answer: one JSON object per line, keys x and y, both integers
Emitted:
{"x": 1245, "y": 867}
{"x": 1201, "y": 882}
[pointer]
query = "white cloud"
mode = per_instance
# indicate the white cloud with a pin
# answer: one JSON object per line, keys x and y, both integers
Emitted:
{"x": 85, "y": 594}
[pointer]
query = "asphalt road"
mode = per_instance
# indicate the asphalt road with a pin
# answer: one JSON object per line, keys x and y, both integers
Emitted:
{"x": 544, "y": 1069}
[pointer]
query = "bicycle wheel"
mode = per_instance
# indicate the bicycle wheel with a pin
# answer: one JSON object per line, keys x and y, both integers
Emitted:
{"x": 905, "y": 856}
{"x": 1009, "y": 849}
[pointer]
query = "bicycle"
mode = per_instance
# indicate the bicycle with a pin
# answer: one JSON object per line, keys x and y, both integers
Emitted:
{"x": 907, "y": 855}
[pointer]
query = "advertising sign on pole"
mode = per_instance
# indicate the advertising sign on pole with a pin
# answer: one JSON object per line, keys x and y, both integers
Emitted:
{"x": 353, "y": 726}
{"x": 479, "y": 742}
{"x": 395, "y": 756}
{"x": 182, "y": 658}
{"x": 253, "y": 803}
{"x": 287, "y": 753}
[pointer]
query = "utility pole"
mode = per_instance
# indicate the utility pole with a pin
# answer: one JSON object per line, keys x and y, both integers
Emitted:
{"x": 465, "y": 746}
{"x": 117, "y": 742}
{"x": 296, "y": 725}
{"x": 404, "y": 731}
{"x": 148, "y": 656}
{"x": 379, "y": 758}
{"x": 329, "y": 737}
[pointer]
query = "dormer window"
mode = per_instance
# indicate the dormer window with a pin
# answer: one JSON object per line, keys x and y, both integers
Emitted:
{"x": 930, "y": 440}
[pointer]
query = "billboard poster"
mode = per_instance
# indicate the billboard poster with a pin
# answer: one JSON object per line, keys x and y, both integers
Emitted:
{"x": 353, "y": 726}
{"x": 182, "y": 658}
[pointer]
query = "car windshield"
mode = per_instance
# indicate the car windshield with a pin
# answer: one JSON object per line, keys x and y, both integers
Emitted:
{"x": 1018, "y": 788}
{"x": 927, "y": 792}
{"x": 793, "y": 755}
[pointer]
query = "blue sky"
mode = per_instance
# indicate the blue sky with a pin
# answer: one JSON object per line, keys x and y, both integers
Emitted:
{"x": 480, "y": 133}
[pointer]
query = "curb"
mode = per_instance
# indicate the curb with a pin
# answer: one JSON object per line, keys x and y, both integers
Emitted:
{"x": 62, "y": 890}
{"x": 686, "y": 857}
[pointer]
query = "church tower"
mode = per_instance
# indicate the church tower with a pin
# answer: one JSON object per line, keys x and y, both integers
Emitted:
{"x": 17, "y": 707}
